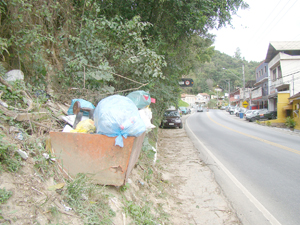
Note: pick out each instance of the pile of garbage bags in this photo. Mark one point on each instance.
(114, 116)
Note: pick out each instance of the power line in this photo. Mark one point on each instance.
(281, 17)
(265, 20)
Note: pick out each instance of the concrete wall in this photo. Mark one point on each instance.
(282, 100)
(296, 114)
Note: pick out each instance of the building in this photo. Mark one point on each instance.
(283, 60)
(202, 99)
(295, 102)
(260, 92)
(190, 99)
(234, 97)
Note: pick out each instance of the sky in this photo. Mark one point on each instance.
(254, 28)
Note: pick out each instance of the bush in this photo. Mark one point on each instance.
(290, 122)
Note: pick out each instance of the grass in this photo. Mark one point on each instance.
(4, 195)
(88, 200)
(268, 123)
(9, 160)
(183, 104)
(141, 214)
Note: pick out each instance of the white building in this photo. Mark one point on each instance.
(190, 99)
(202, 98)
(283, 60)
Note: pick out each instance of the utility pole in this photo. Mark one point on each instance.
(243, 84)
(229, 92)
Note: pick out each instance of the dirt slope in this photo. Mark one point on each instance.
(196, 197)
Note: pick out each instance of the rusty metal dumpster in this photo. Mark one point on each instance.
(96, 155)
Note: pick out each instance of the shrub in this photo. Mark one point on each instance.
(290, 122)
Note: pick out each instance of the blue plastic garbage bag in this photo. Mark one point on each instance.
(83, 104)
(117, 116)
(140, 98)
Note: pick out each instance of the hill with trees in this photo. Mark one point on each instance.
(220, 70)
(108, 47)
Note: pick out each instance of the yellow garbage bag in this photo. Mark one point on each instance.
(85, 126)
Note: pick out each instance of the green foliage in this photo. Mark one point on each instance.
(4, 195)
(107, 46)
(290, 122)
(3, 46)
(183, 104)
(268, 123)
(140, 214)
(212, 103)
(58, 43)
(88, 200)
(125, 187)
(14, 97)
(8, 160)
(222, 70)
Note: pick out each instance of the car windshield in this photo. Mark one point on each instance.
(172, 114)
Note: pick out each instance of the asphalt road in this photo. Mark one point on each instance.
(258, 167)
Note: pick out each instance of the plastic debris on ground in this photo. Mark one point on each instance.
(118, 116)
(71, 119)
(85, 126)
(83, 104)
(67, 128)
(23, 154)
(140, 98)
(146, 116)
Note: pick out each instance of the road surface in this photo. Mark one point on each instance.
(258, 167)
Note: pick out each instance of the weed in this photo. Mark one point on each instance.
(140, 214)
(268, 123)
(88, 200)
(258, 122)
(54, 211)
(15, 97)
(124, 187)
(4, 195)
(8, 159)
(144, 214)
(148, 174)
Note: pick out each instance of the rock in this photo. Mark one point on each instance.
(14, 75)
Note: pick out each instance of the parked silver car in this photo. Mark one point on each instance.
(231, 110)
(254, 113)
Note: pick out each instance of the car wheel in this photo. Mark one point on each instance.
(180, 126)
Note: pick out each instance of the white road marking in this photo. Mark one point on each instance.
(256, 203)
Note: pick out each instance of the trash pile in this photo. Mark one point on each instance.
(114, 116)
(103, 141)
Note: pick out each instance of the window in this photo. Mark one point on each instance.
(279, 72)
(265, 69)
(274, 74)
(262, 72)
(256, 75)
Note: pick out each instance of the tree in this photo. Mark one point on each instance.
(238, 54)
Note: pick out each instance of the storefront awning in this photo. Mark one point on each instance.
(288, 107)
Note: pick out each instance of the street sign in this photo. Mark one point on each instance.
(186, 82)
(245, 104)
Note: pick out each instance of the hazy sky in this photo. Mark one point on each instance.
(254, 28)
